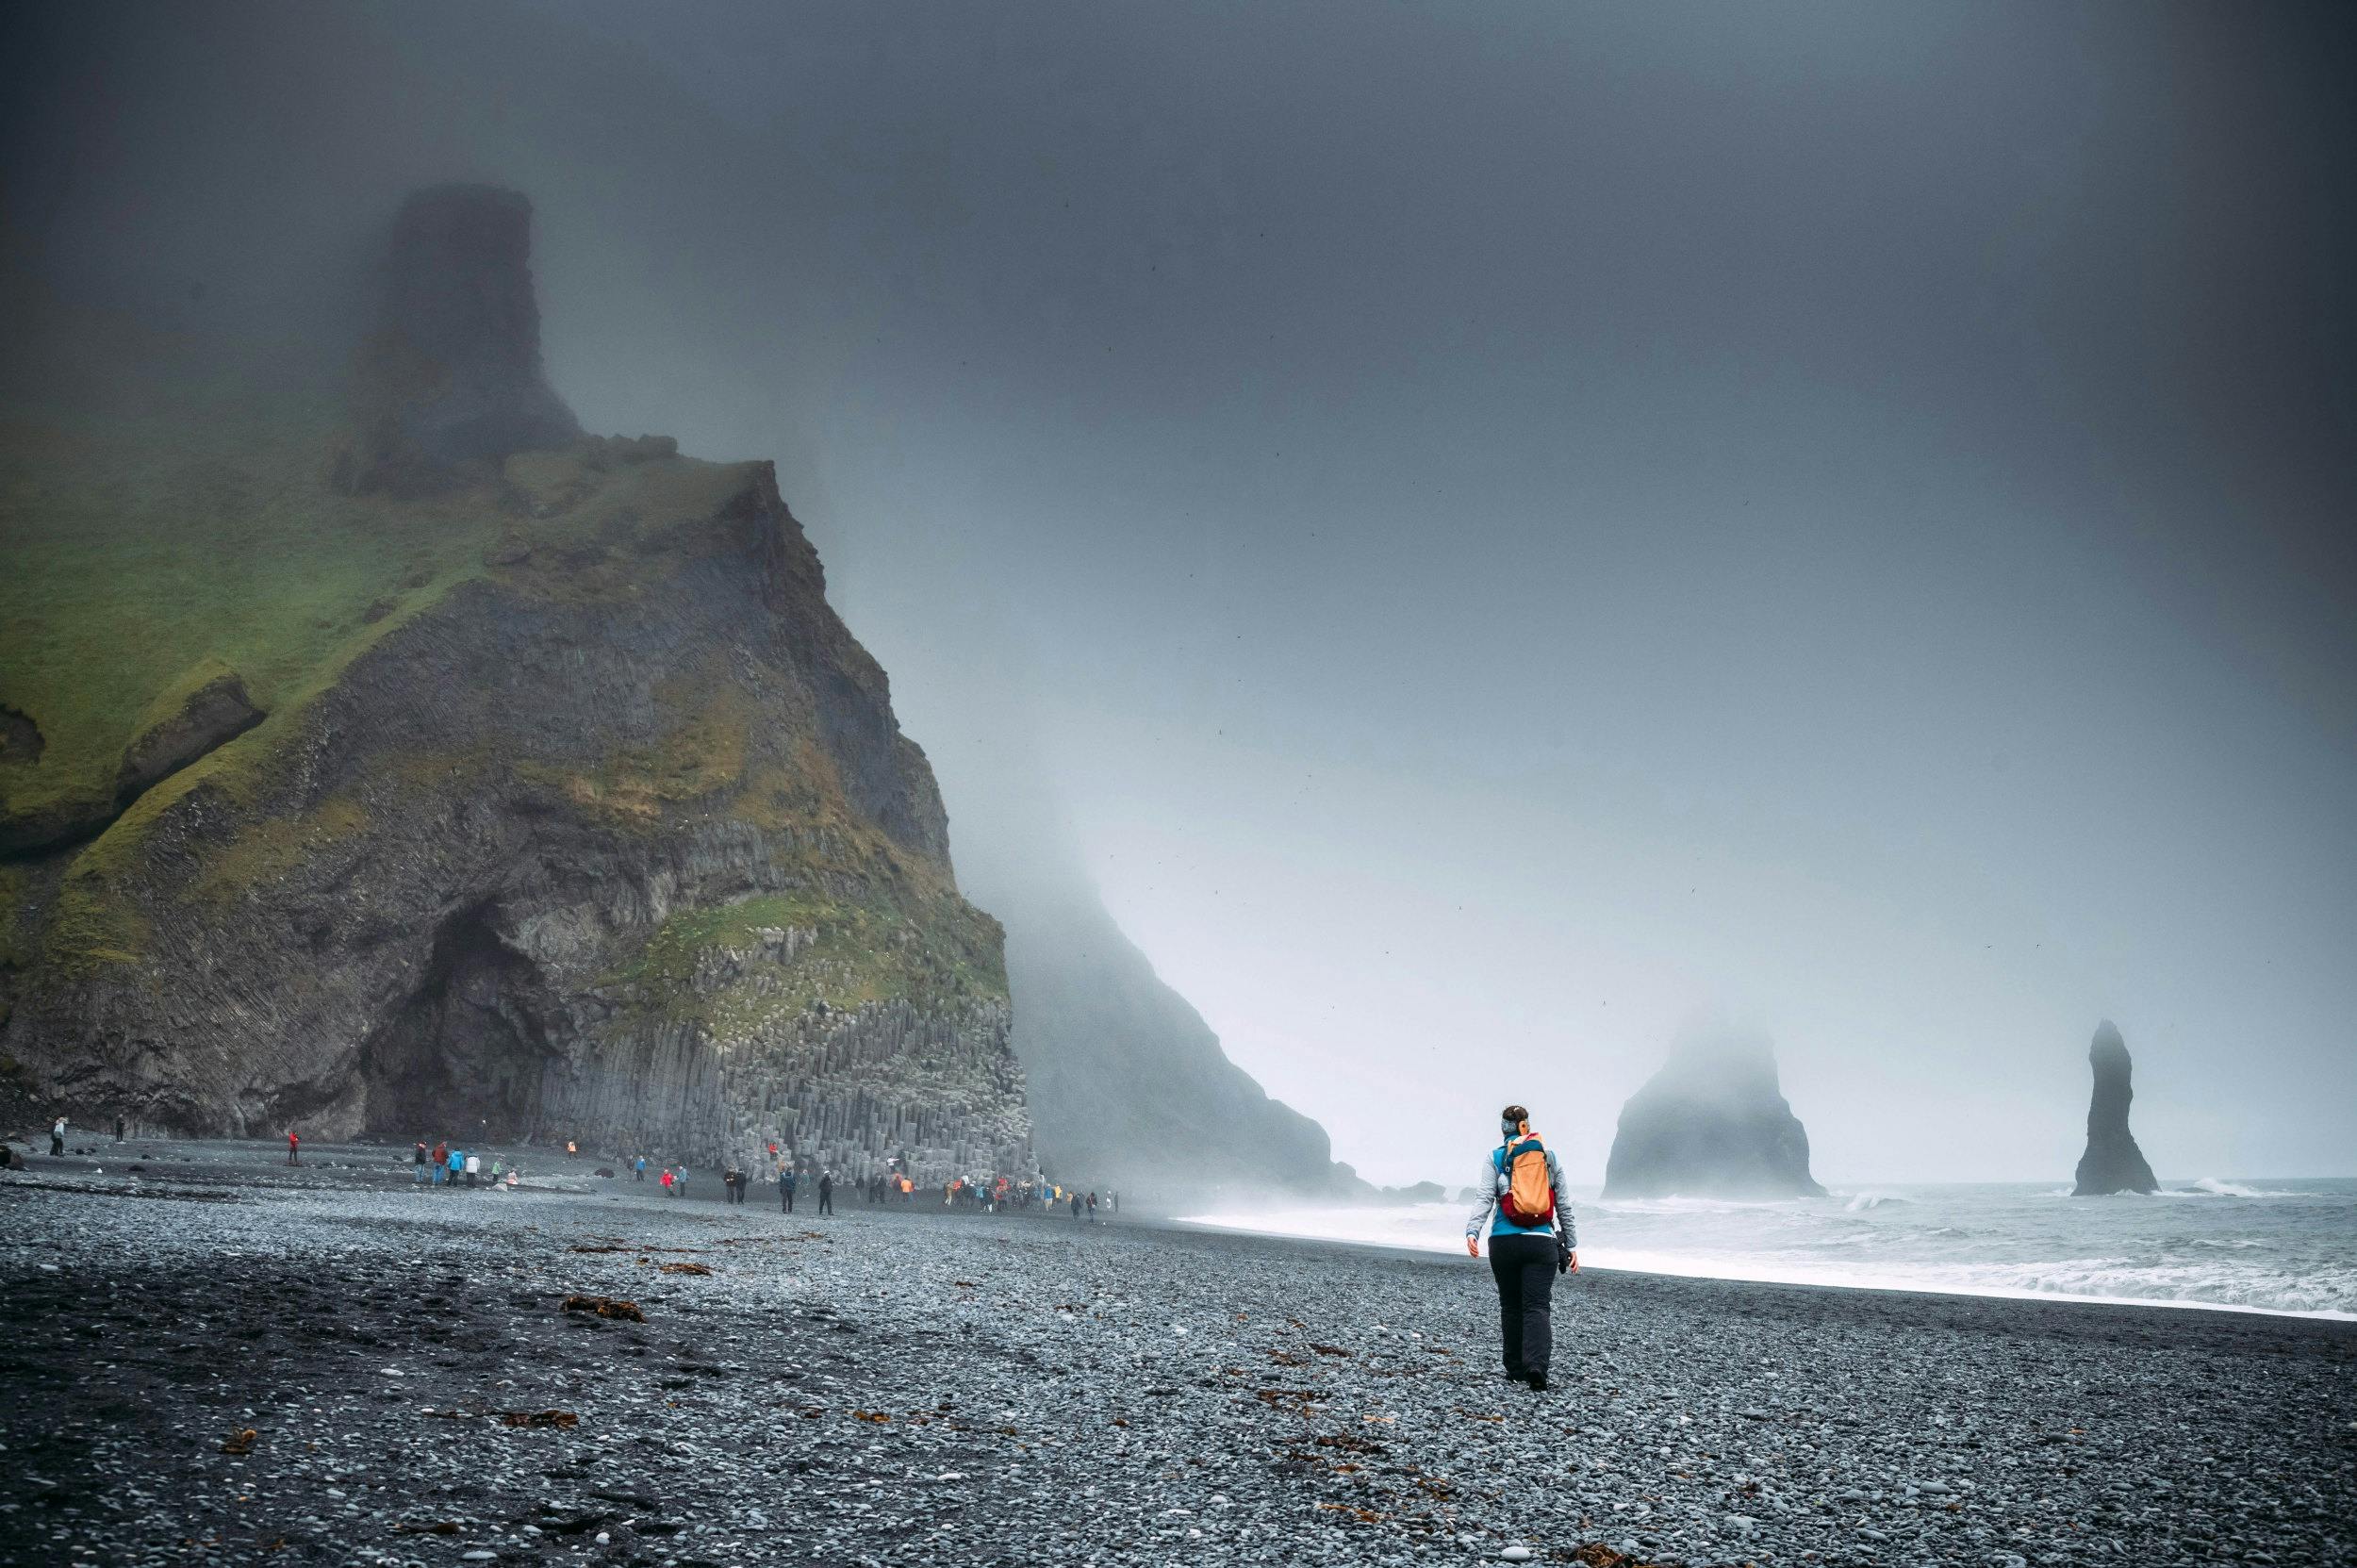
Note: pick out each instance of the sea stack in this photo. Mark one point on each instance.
(451, 374)
(1712, 1123)
(2113, 1163)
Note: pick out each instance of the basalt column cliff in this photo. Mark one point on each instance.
(524, 782)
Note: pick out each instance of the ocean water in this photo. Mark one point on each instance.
(2277, 1246)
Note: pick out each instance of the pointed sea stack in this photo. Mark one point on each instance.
(1712, 1123)
(2113, 1163)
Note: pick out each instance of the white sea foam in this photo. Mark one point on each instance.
(2297, 1255)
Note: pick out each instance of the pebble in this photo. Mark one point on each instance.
(1119, 1442)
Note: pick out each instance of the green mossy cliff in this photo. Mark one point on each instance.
(572, 809)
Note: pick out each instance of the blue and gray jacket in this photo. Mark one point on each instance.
(1494, 1182)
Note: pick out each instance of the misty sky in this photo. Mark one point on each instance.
(1495, 534)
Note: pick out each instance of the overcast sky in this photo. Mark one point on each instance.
(1502, 533)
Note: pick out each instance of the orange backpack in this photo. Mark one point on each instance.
(1529, 1196)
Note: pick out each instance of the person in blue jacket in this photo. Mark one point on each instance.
(1531, 1240)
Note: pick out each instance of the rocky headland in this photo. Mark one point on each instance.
(1128, 1085)
(434, 768)
(2113, 1163)
(1712, 1123)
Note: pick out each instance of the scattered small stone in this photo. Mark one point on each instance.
(604, 1306)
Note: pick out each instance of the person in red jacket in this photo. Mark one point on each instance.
(294, 1147)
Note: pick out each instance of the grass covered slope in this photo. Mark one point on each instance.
(141, 546)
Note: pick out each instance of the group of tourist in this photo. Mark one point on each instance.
(996, 1195)
(444, 1165)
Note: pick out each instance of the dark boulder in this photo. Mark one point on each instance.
(21, 740)
(1712, 1123)
(36, 827)
(205, 708)
(2113, 1163)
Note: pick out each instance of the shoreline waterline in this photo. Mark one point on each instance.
(2285, 1250)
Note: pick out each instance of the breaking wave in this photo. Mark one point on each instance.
(2296, 1253)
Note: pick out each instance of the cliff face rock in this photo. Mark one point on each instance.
(620, 842)
(2113, 1163)
(1712, 1123)
(1129, 1087)
(452, 376)
(580, 813)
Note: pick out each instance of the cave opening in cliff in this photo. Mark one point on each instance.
(463, 1056)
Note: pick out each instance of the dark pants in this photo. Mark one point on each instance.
(785, 1200)
(1524, 1267)
(826, 1200)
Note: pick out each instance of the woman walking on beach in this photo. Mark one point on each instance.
(1531, 1240)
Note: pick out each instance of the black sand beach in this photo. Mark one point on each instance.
(912, 1387)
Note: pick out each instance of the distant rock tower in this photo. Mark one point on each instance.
(2113, 1163)
(1712, 1123)
(450, 377)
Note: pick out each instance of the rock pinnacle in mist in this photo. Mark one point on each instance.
(451, 374)
(1712, 1123)
(2113, 1163)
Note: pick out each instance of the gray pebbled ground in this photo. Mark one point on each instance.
(911, 1387)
